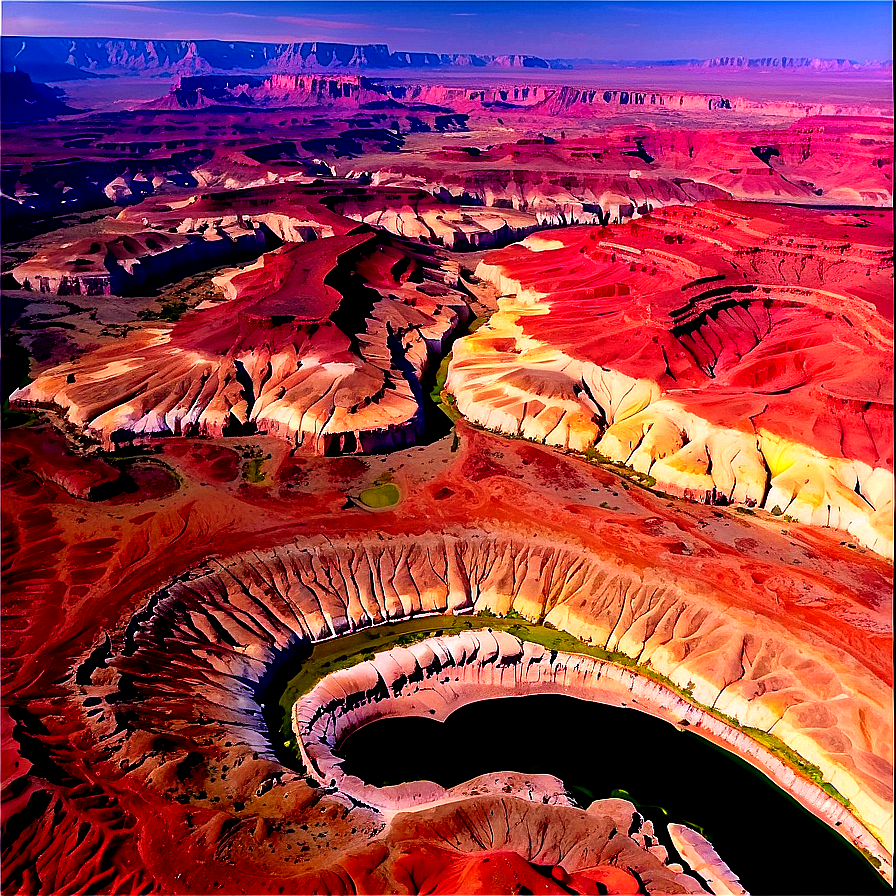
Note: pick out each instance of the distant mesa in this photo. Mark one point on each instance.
(801, 63)
(23, 100)
(355, 91)
(63, 58)
(69, 58)
(776, 63)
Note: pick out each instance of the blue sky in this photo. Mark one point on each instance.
(619, 29)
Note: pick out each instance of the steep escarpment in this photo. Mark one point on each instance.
(570, 100)
(707, 363)
(24, 100)
(627, 171)
(789, 62)
(322, 343)
(61, 58)
(162, 240)
(201, 651)
(437, 676)
(123, 262)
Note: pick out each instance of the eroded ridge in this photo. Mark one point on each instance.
(321, 343)
(623, 172)
(163, 239)
(733, 354)
(437, 676)
(199, 653)
(571, 100)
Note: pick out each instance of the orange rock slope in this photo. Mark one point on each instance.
(734, 353)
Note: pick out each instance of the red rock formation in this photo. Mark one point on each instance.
(117, 264)
(731, 353)
(45, 452)
(75, 571)
(336, 369)
(572, 100)
(136, 646)
(162, 240)
(616, 175)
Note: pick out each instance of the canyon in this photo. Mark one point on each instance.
(287, 353)
(618, 343)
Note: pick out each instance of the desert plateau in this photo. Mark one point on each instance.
(462, 470)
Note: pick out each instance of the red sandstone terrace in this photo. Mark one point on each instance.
(322, 343)
(732, 352)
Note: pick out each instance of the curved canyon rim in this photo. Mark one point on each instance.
(610, 751)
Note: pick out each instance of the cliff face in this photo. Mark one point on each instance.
(789, 62)
(197, 653)
(298, 87)
(731, 392)
(119, 264)
(61, 58)
(439, 675)
(322, 343)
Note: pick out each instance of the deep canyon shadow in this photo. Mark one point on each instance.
(772, 843)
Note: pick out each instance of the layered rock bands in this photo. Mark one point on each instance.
(196, 661)
(437, 676)
(732, 354)
(321, 343)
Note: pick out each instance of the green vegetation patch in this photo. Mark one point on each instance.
(170, 310)
(593, 456)
(443, 399)
(477, 323)
(378, 496)
(10, 419)
(254, 459)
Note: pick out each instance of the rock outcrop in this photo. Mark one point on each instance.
(321, 343)
(132, 258)
(162, 240)
(625, 172)
(570, 100)
(225, 627)
(707, 359)
(697, 851)
(62, 58)
(24, 100)
(51, 459)
(436, 676)
(416, 215)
